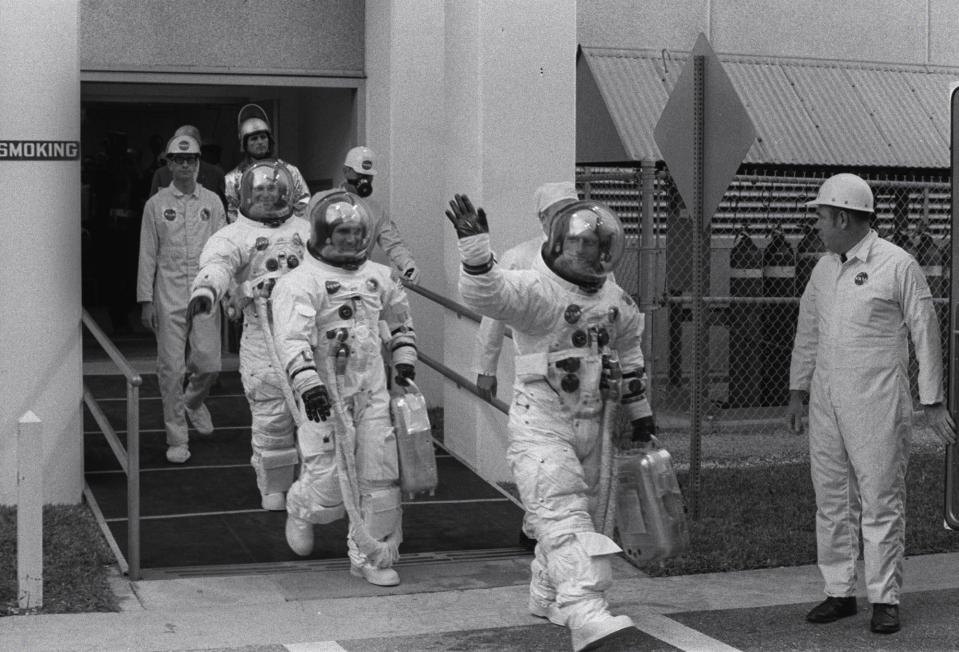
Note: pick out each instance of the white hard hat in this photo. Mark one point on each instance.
(550, 193)
(183, 144)
(844, 190)
(360, 159)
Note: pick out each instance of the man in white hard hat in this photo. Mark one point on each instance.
(177, 222)
(257, 143)
(208, 175)
(358, 173)
(851, 360)
(548, 198)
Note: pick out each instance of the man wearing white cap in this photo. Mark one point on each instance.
(358, 173)
(851, 359)
(548, 198)
(177, 222)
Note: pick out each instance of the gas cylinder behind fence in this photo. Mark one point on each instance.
(650, 510)
(745, 360)
(808, 252)
(779, 319)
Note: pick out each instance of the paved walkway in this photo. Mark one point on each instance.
(479, 605)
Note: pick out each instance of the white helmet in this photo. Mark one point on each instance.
(844, 190)
(182, 144)
(360, 160)
(265, 189)
(585, 242)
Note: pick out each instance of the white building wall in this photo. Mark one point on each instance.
(895, 31)
(40, 366)
(467, 97)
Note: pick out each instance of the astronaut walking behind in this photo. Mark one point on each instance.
(328, 337)
(246, 257)
(562, 311)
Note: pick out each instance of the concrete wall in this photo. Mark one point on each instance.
(896, 31)
(233, 36)
(40, 292)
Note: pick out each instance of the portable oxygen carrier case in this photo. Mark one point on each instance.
(650, 510)
(414, 441)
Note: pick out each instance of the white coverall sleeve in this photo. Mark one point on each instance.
(512, 296)
(803, 361)
(392, 243)
(396, 314)
(149, 246)
(294, 332)
(489, 344)
(920, 315)
(219, 261)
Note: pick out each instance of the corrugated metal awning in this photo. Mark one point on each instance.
(806, 112)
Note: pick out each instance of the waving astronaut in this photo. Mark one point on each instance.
(245, 258)
(563, 311)
(329, 340)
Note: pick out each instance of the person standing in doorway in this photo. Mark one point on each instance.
(851, 360)
(209, 176)
(358, 173)
(177, 222)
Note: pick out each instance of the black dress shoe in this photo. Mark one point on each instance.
(832, 609)
(885, 618)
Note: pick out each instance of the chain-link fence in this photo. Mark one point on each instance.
(760, 251)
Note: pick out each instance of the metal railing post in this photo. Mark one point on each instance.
(29, 511)
(133, 478)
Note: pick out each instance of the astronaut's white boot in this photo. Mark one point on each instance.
(299, 535)
(595, 633)
(374, 575)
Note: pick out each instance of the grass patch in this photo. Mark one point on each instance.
(75, 562)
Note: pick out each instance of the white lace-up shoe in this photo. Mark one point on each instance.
(201, 420)
(177, 454)
(374, 575)
(299, 535)
(548, 611)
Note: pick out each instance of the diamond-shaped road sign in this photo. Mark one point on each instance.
(727, 131)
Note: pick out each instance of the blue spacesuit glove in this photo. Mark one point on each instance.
(316, 403)
(405, 373)
(644, 428)
(465, 219)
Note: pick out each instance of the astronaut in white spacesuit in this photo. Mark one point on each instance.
(571, 327)
(265, 242)
(327, 316)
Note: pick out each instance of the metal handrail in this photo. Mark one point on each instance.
(443, 370)
(129, 457)
(447, 303)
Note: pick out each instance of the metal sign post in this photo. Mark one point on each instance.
(951, 506)
(703, 134)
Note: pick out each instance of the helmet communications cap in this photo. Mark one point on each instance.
(845, 190)
(341, 228)
(585, 242)
(265, 190)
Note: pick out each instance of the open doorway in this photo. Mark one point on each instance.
(124, 130)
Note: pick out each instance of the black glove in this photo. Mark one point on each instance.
(643, 430)
(316, 403)
(486, 386)
(404, 374)
(199, 304)
(465, 219)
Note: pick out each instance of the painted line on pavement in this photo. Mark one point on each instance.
(322, 646)
(679, 635)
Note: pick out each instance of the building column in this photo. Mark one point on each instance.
(40, 336)
(476, 98)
